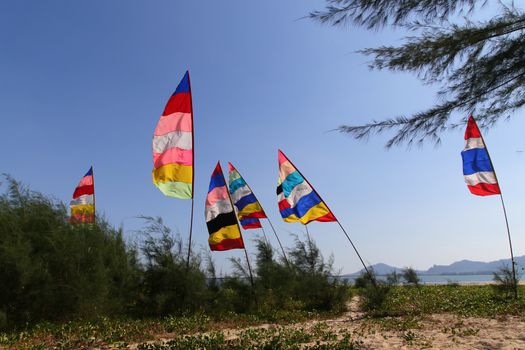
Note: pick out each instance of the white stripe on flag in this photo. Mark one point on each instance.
(82, 200)
(180, 139)
(221, 207)
(487, 177)
(475, 142)
(298, 192)
(240, 192)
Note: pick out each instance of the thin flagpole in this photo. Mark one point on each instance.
(341, 226)
(265, 237)
(191, 229)
(306, 227)
(192, 174)
(279, 241)
(94, 201)
(248, 262)
(515, 280)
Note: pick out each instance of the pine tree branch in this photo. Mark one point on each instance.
(427, 124)
(479, 67)
(375, 14)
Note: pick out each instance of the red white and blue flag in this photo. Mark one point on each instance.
(477, 166)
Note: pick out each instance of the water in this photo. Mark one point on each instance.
(445, 279)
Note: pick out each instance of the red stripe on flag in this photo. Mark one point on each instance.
(256, 215)
(483, 189)
(472, 129)
(180, 102)
(284, 204)
(82, 190)
(327, 218)
(228, 244)
(252, 225)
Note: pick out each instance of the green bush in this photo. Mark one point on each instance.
(302, 283)
(50, 269)
(169, 285)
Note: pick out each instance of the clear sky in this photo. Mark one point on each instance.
(84, 82)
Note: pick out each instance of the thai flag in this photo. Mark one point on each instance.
(477, 166)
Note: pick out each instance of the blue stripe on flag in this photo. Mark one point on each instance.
(184, 85)
(244, 201)
(305, 203)
(236, 184)
(245, 221)
(216, 181)
(290, 182)
(476, 160)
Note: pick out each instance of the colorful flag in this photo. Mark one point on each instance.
(83, 203)
(477, 166)
(222, 223)
(249, 210)
(298, 201)
(173, 144)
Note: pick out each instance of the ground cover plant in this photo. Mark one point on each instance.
(474, 300)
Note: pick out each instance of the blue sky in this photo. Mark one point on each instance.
(84, 83)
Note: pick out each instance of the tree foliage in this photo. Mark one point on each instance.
(479, 66)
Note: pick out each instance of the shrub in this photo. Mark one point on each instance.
(410, 276)
(50, 269)
(506, 285)
(372, 291)
(169, 285)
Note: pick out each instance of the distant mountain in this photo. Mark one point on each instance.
(463, 267)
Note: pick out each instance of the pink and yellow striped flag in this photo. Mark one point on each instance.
(173, 144)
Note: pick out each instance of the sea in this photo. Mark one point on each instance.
(442, 279)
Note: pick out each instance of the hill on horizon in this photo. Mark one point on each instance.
(462, 267)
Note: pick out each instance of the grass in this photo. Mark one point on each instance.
(403, 311)
(121, 332)
(255, 339)
(479, 301)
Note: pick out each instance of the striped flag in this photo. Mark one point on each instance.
(249, 210)
(173, 144)
(83, 203)
(297, 199)
(220, 216)
(477, 166)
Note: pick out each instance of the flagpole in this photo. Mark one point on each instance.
(191, 231)
(336, 219)
(192, 174)
(515, 280)
(510, 244)
(94, 201)
(265, 237)
(278, 241)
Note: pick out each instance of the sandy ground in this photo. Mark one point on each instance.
(439, 331)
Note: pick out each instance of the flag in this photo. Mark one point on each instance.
(297, 200)
(173, 144)
(477, 166)
(222, 223)
(249, 210)
(83, 203)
